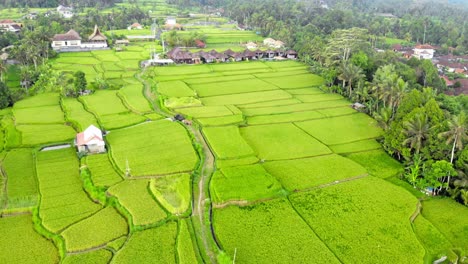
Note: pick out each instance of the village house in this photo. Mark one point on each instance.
(90, 141)
(9, 25)
(424, 52)
(135, 26)
(171, 20)
(64, 11)
(200, 44)
(183, 56)
(71, 41)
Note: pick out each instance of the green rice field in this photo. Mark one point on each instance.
(267, 169)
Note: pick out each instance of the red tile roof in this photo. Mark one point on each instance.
(70, 35)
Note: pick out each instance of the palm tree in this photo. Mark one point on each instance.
(350, 73)
(3, 70)
(417, 131)
(457, 133)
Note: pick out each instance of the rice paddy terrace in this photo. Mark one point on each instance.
(272, 170)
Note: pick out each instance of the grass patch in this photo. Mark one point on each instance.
(269, 232)
(39, 115)
(153, 148)
(21, 186)
(284, 109)
(135, 197)
(98, 256)
(358, 146)
(120, 120)
(378, 163)
(45, 99)
(245, 98)
(363, 220)
(173, 192)
(150, 244)
(206, 111)
(232, 87)
(221, 121)
(283, 118)
(282, 141)
(227, 142)
(297, 81)
(185, 247)
(175, 89)
(345, 129)
(34, 135)
(301, 174)
(133, 95)
(76, 112)
(19, 243)
(63, 200)
(97, 230)
(243, 183)
(102, 172)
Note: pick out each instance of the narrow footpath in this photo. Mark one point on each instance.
(200, 197)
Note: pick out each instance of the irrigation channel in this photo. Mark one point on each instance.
(201, 204)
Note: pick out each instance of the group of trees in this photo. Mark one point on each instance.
(55, 3)
(175, 39)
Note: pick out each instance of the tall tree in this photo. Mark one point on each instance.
(457, 133)
(417, 131)
(350, 73)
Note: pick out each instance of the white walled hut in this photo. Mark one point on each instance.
(90, 141)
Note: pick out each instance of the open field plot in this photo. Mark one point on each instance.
(104, 103)
(301, 174)
(239, 66)
(120, 120)
(283, 118)
(19, 243)
(185, 246)
(300, 107)
(221, 121)
(227, 142)
(102, 171)
(97, 256)
(345, 129)
(280, 102)
(435, 243)
(133, 96)
(318, 98)
(305, 91)
(153, 148)
(206, 111)
(269, 232)
(75, 111)
(96, 230)
(282, 141)
(363, 220)
(444, 210)
(200, 76)
(135, 196)
(245, 98)
(173, 192)
(357, 146)
(243, 183)
(33, 135)
(283, 64)
(150, 244)
(232, 87)
(175, 89)
(218, 79)
(181, 70)
(180, 102)
(296, 81)
(45, 99)
(300, 70)
(39, 115)
(236, 162)
(378, 163)
(63, 200)
(21, 187)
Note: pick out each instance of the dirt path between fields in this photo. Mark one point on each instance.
(201, 196)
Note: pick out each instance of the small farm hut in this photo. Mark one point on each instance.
(90, 141)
